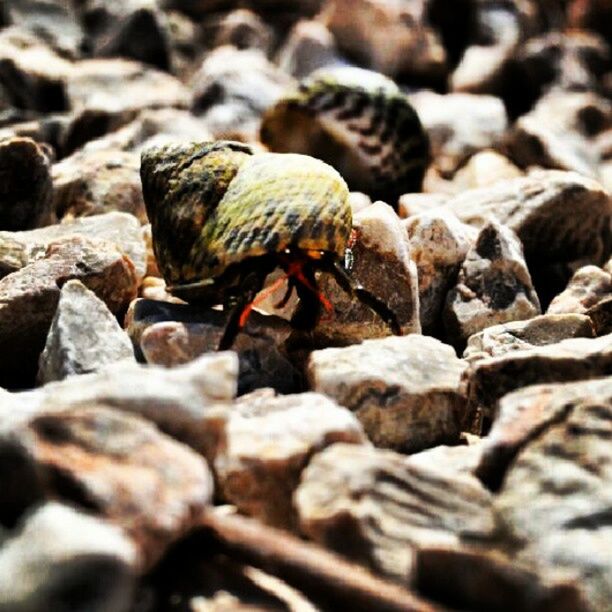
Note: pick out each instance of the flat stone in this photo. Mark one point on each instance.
(494, 286)
(569, 360)
(30, 297)
(381, 264)
(91, 183)
(268, 441)
(378, 507)
(25, 191)
(439, 243)
(116, 465)
(405, 390)
(519, 335)
(60, 556)
(586, 288)
(83, 337)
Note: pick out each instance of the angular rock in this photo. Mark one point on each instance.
(18, 249)
(459, 125)
(381, 263)
(26, 188)
(556, 496)
(30, 297)
(569, 360)
(233, 88)
(559, 216)
(378, 507)
(518, 335)
(494, 286)
(268, 441)
(483, 169)
(587, 287)
(84, 336)
(439, 243)
(601, 316)
(91, 183)
(117, 465)
(394, 38)
(61, 556)
(405, 390)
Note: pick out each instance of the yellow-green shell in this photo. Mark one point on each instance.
(225, 205)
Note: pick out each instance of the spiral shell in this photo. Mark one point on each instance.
(213, 205)
(360, 123)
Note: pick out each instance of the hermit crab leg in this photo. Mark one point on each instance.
(363, 295)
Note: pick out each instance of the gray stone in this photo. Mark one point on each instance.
(405, 390)
(519, 335)
(494, 285)
(61, 556)
(378, 507)
(586, 288)
(268, 441)
(84, 336)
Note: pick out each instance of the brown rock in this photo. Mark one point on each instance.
(591, 14)
(25, 189)
(601, 316)
(268, 441)
(379, 508)
(405, 390)
(30, 296)
(242, 29)
(587, 287)
(494, 286)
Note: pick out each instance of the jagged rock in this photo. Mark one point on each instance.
(25, 189)
(569, 360)
(233, 88)
(381, 263)
(242, 29)
(118, 465)
(484, 169)
(378, 507)
(61, 556)
(309, 46)
(97, 182)
(518, 335)
(268, 441)
(439, 243)
(394, 38)
(559, 216)
(556, 495)
(84, 336)
(587, 287)
(459, 125)
(494, 285)
(18, 249)
(30, 296)
(405, 390)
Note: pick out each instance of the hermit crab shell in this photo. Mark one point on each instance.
(214, 205)
(359, 122)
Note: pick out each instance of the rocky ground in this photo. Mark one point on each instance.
(466, 465)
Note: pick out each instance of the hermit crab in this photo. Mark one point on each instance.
(224, 217)
(359, 122)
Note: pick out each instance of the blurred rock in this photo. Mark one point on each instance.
(232, 89)
(406, 391)
(416, 203)
(84, 336)
(26, 187)
(559, 216)
(394, 38)
(566, 361)
(378, 507)
(586, 288)
(242, 29)
(117, 465)
(91, 183)
(381, 263)
(484, 169)
(61, 557)
(494, 286)
(18, 249)
(591, 14)
(268, 441)
(30, 296)
(519, 335)
(459, 125)
(309, 46)
(439, 243)
(482, 69)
